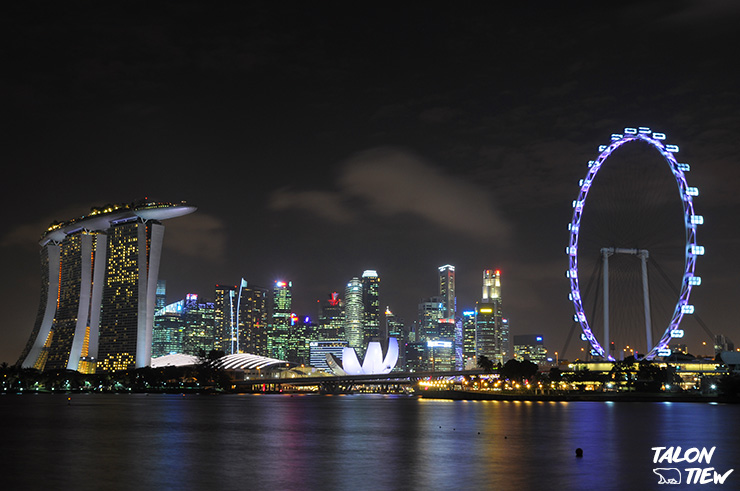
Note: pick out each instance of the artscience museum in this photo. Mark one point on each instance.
(374, 362)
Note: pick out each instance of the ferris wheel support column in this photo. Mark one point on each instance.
(643, 254)
(606, 252)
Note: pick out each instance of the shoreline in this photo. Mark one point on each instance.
(461, 395)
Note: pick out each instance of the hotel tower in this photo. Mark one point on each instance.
(98, 289)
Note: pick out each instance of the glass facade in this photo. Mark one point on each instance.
(331, 318)
(431, 311)
(282, 303)
(395, 328)
(530, 347)
(492, 330)
(447, 290)
(354, 313)
(318, 350)
(371, 306)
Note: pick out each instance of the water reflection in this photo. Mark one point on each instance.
(347, 442)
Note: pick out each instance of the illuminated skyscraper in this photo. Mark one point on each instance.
(241, 319)
(225, 318)
(468, 351)
(491, 286)
(492, 330)
(184, 327)
(282, 303)
(353, 314)
(530, 347)
(198, 326)
(447, 290)
(161, 301)
(252, 318)
(431, 311)
(98, 293)
(168, 330)
(331, 318)
(394, 328)
(371, 306)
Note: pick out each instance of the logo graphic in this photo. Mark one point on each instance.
(668, 475)
(692, 457)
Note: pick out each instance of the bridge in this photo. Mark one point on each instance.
(344, 384)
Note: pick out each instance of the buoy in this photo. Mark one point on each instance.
(579, 452)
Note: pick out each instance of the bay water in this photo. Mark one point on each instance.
(355, 442)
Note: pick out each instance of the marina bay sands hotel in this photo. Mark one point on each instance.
(98, 289)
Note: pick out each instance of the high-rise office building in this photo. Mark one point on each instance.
(331, 318)
(168, 330)
(470, 359)
(530, 347)
(371, 306)
(415, 356)
(225, 318)
(447, 290)
(320, 348)
(395, 328)
(492, 330)
(198, 326)
(252, 320)
(241, 319)
(431, 311)
(98, 294)
(161, 301)
(186, 327)
(301, 332)
(279, 336)
(354, 314)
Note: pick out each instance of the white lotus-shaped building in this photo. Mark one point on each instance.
(374, 362)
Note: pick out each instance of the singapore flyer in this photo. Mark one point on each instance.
(654, 332)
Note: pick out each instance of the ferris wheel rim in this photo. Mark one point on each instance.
(692, 249)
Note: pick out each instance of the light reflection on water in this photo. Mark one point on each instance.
(347, 442)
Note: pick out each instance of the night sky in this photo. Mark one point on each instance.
(320, 139)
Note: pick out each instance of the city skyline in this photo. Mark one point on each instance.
(317, 144)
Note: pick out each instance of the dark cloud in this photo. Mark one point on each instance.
(199, 235)
(28, 235)
(391, 181)
(326, 205)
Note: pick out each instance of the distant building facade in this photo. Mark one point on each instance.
(395, 328)
(331, 318)
(354, 313)
(320, 348)
(469, 353)
(447, 290)
(370, 306)
(282, 303)
(492, 329)
(169, 327)
(530, 347)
